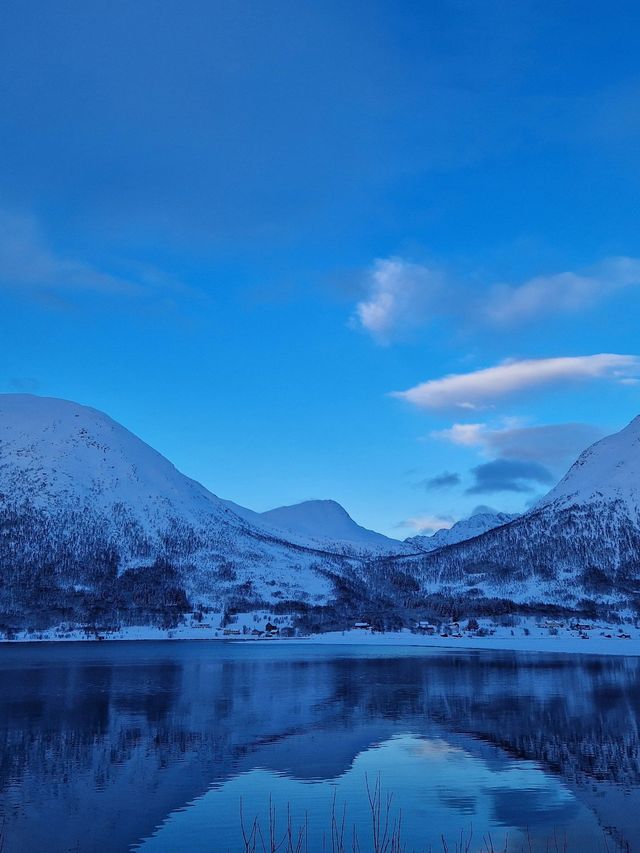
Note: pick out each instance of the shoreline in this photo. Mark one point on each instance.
(501, 640)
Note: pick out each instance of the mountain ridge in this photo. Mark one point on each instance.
(326, 519)
(97, 527)
(466, 528)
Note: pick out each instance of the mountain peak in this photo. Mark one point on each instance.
(53, 450)
(467, 528)
(606, 472)
(324, 519)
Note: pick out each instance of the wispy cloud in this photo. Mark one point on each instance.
(481, 388)
(426, 523)
(27, 262)
(446, 480)
(561, 292)
(31, 266)
(399, 296)
(509, 475)
(551, 444)
(484, 509)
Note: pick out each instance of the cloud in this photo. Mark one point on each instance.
(564, 292)
(467, 435)
(426, 523)
(482, 388)
(399, 295)
(508, 475)
(27, 262)
(402, 296)
(442, 481)
(550, 444)
(484, 509)
(29, 265)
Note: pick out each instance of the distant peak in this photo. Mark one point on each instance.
(323, 518)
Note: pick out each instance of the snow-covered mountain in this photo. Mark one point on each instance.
(94, 521)
(578, 547)
(606, 474)
(322, 524)
(98, 528)
(326, 520)
(462, 530)
(54, 453)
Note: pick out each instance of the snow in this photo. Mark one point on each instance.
(325, 519)
(54, 449)
(462, 530)
(93, 480)
(566, 641)
(86, 474)
(578, 547)
(322, 524)
(607, 472)
(499, 642)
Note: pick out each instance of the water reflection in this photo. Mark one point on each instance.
(116, 746)
(442, 788)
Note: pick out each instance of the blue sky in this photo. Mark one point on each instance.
(264, 236)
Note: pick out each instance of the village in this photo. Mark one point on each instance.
(473, 628)
(506, 631)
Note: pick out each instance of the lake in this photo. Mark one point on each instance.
(161, 746)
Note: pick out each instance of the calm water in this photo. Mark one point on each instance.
(154, 746)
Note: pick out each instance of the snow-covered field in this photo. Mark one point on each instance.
(527, 636)
(569, 643)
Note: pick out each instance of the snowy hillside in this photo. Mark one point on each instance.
(55, 453)
(462, 530)
(93, 520)
(579, 547)
(327, 521)
(97, 528)
(607, 473)
(323, 525)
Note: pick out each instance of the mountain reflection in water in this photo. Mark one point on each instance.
(152, 746)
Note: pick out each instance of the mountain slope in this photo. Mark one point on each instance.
(578, 547)
(607, 473)
(322, 524)
(94, 523)
(462, 530)
(98, 528)
(326, 520)
(54, 451)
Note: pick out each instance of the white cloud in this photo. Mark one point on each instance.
(426, 523)
(467, 435)
(561, 292)
(482, 388)
(399, 297)
(402, 295)
(551, 444)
